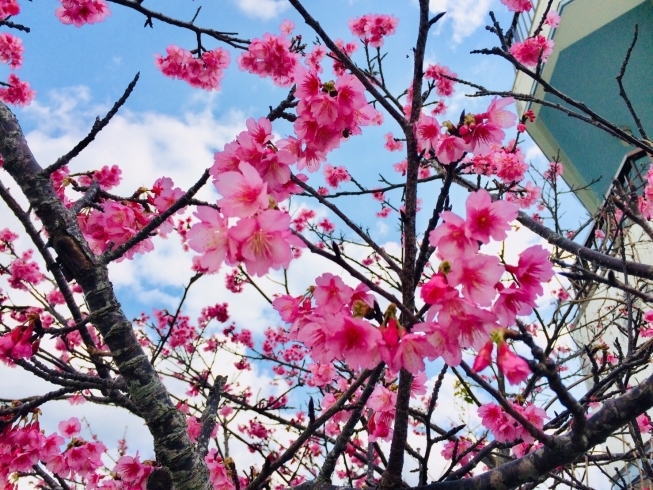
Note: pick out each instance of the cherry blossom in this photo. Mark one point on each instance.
(371, 28)
(11, 50)
(9, 8)
(205, 72)
(511, 365)
(16, 91)
(244, 192)
(80, 12)
(270, 57)
(518, 5)
(487, 219)
(533, 50)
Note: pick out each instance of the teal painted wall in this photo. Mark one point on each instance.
(587, 72)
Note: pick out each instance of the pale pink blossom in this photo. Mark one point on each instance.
(552, 19)
(286, 27)
(391, 144)
(477, 275)
(450, 149)
(210, 238)
(244, 192)
(265, 242)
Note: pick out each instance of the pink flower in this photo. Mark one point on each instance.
(9, 8)
(444, 340)
(644, 423)
(265, 241)
(450, 149)
(427, 131)
(331, 293)
(518, 5)
(437, 290)
(477, 275)
(533, 269)
(165, 195)
(533, 50)
(210, 238)
(371, 28)
(382, 400)
(11, 50)
(514, 367)
(450, 238)
(17, 344)
(287, 27)
(487, 219)
(18, 92)
(132, 471)
(513, 301)
(443, 86)
(391, 144)
(356, 342)
(497, 115)
(270, 57)
(70, 428)
(334, 176)
(552, 19)
(80, 12)
(244, 192)
(205, 72)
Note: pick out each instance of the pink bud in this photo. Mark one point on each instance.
(514, 367)
(483, 358)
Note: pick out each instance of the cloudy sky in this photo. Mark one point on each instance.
(169, 129)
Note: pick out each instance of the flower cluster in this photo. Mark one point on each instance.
(115, 224)
(505, 162)
(382, 403)
(80, 12)
(18, 344)
(371, 28)
(250, 174)
(533, 50)
(505, 428)
(11, 50)
(327, 113)
(9, 8)
(205, 71)
(439, 73)
(17, 91)
(270, 57)
(477, 133)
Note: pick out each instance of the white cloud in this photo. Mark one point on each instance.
(465, 15)
(262, 9)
